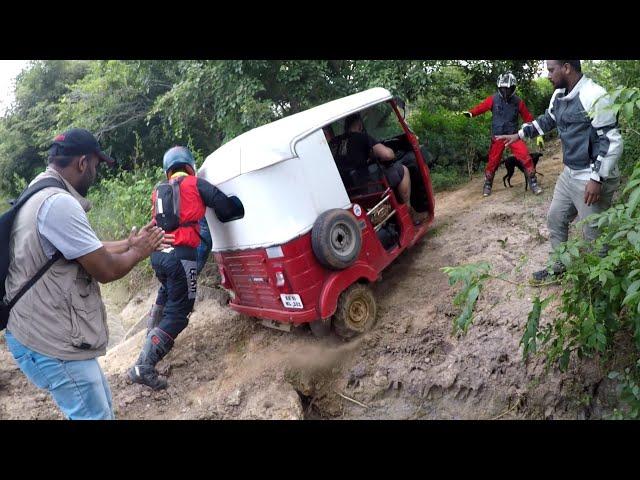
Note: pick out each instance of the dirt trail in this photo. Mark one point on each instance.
(227, 366)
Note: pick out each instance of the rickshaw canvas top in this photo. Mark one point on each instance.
(276, 142)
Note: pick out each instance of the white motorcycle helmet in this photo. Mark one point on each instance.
(506, 85)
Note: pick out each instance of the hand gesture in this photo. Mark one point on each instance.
(148, 239)
(508, 139)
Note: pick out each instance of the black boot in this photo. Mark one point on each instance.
(156, 346)
(488, 185)
(541, 276)
(154, 317)
(533, 183)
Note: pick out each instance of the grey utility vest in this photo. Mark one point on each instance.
(62, 315)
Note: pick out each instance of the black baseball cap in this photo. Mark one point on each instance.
(78, 141)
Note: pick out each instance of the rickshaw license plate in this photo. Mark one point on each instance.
(291, 300)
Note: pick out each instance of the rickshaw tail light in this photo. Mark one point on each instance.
(279, 279)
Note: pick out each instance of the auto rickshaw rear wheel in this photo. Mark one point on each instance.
(321, 327)
(336, 239)
(356, 312)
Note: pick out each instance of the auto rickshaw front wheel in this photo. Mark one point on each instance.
(336, 239)
(356, 312)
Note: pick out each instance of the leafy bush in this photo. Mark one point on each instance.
(538, 96)
(601, 293)
(443, 179)
(122, 202)
(472, 277)
(629, 392)
(458, 144)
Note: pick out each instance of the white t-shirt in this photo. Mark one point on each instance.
(63, 225)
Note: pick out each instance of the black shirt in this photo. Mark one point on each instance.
(352, 149)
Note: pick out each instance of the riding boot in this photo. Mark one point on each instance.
(488, 185)
(154, 317)
(157, 345)
(533, 183)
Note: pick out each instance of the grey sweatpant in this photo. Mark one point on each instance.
(568, 202)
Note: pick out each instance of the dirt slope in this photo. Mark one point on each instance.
(410, 366)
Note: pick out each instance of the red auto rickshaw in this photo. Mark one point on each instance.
(311, 240)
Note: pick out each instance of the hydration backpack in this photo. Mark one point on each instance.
(167, 204)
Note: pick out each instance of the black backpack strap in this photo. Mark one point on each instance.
(34, 279)
(22, 199)
(36, 187)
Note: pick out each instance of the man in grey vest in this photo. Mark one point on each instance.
(59, 326)
(591, 147)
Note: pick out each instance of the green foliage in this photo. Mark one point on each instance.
(531, 335)
(27, 129)
(538, 96)
(485, 72)
(138, 108)
(628, 392)
(114, 100)
(626, 103)
(122, 202)
(601, 288)
(444, 179)
(457, 143)
(118, 204)
(472, 277)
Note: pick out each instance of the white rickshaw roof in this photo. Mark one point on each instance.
(275, 142)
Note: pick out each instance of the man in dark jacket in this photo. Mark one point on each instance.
(176, 266)
(505, 107)
(355, 149)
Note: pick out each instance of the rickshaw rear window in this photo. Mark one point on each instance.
(380, 121)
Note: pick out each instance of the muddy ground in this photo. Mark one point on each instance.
(410, 366)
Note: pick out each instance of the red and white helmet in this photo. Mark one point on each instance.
(507, 80)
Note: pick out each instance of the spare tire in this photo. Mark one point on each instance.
(336, 239)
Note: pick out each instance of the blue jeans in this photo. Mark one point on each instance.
(78, 387)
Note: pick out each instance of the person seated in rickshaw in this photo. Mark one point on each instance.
(355, 148)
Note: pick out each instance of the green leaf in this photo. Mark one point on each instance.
(602, 277)
(631, 185)
(634, 198)
(619, 234)
(564, 360)
(628, 110)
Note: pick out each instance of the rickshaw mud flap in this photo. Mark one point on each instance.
(285, 327)
(339, 282)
